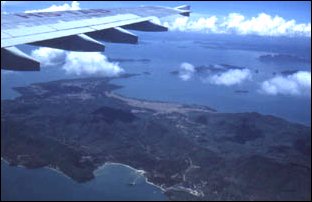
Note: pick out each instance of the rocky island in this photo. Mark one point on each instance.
(282, 58)
(191, 152)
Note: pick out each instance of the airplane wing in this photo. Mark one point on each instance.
(76, 30)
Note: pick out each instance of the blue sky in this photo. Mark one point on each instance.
(297, 10)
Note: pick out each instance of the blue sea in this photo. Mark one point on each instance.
(112, 182)
(166, 52)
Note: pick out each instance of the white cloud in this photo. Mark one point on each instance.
(208, 23)
(179, 23)
(186, 71)
(226, 77)
(48, 56)
(73, 6)
(77, 62)
(90, 63)
(298, 83)
(262, 24)
(230, 77)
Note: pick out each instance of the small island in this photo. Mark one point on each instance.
(192, 152)
(241, 91)
(282, 58)
(211, 68)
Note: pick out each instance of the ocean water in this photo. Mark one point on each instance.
(111, 183)
(165, 52)
(167, 55)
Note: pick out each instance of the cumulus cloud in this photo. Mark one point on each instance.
(298, 83)
(77, 63)
(186, 71)
(48, 56)
(230, 77)
(227, 77)
(235, 23)
(73, 6)
(90, 63)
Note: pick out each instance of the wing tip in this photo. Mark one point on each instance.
(184, 10)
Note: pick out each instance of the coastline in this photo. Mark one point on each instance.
(85, 187)
(95, 172)
(59, 172)
(45, 167)
(142, 172)
(137, 171)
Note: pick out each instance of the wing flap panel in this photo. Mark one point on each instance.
(14, 59)
(115, 35)
(80, 42)
(147, 26)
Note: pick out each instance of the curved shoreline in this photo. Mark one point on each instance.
(142, 172)
(45, 167)
(137, 171)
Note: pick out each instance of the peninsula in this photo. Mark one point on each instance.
(191, 152)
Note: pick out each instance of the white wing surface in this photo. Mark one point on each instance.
(75, 30)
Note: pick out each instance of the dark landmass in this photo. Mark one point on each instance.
(216, 68)
(146, 73)
(175, 72)
(282, 58)
(241, 91)
(227, 66)
(128, 60)
(202, 69)
(285, 72)
(208, 69)
(258, 43)
(192, 152)
(128, 75)
(289, 72)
